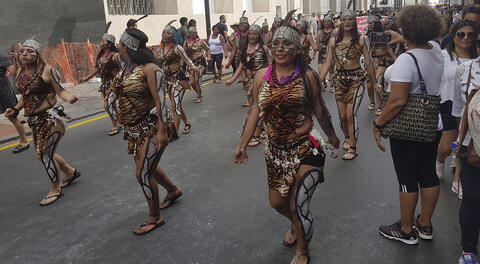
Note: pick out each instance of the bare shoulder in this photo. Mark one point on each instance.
(259, 74)
(331, 42)
(150, 67)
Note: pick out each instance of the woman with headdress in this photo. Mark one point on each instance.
(306, 40)
(286, 96)
(107, 66)
(39, 84)
(239, 43)
(264, 30)
(277, 22)
(141, 91)
(196, 49)
(172, 57)
(382, 55)
(253, 57)
(323, 37)
(349, 78)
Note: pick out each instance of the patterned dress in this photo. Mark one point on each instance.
(284, 108)
(195, 51)
(305, 49)
(107, 69)
(255, 61)
(324, 39)
(347, 82)
(34, 93)
(7, 96)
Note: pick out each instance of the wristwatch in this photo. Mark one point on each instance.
(374, 121)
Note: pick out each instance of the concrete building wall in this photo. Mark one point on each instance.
(50, 20)
(153, 25)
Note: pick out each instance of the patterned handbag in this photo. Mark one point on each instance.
(418, 120)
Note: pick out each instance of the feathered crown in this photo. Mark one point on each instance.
(106, 36)
(287, 31)
(243, 19)
(169, 27)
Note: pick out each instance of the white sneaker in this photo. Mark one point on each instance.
(440, 168)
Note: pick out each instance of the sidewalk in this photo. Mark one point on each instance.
(90, 103)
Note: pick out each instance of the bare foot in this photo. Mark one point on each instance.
(290, 239)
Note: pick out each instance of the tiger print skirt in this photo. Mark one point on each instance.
(383, 60)
(346, 83)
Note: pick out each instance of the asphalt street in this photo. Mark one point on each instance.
(224, 215)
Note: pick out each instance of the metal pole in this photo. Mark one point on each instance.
(207, 17)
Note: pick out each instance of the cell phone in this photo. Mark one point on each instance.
(380, 37)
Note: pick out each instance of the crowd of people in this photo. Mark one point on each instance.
(420, 68)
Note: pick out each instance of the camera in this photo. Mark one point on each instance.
(380, 37)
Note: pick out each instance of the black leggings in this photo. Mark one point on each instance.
(216, 60)
(470, 209)
(414, 164)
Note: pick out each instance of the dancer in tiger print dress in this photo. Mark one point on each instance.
(141, 91)
(107, 66)
(39, 85)
(286, 96)
(171, 57)
(348, 78)
(306, 41)
(253, 57)
(196, 49)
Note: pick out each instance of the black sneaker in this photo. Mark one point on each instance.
(425, 232)
(394, 231)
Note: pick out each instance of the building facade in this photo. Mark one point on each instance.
(162, 11)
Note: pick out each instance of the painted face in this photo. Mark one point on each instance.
(253, 36)
(348, 22)
(244, 26)
(167, 36)
(464, 37)
(104, 44)
(122, 50)
(284, 51)
(27, 55)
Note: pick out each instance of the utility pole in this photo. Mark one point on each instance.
(207, 17)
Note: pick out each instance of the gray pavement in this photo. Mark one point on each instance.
(224, 215)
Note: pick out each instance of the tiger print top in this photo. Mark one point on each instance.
(169, 58)
(283, 109)
(34, 90)
(257, 60)
(134, 97)
(305, 49)
(107, 68)
(195, 50)
(345, 51)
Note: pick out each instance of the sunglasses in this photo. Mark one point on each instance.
(469, 35)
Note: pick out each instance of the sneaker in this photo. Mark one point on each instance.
(440, 167)
(425, 232)
(468, 258)
(394, 231)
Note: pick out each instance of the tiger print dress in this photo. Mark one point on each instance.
(284, 108)
(135, 102)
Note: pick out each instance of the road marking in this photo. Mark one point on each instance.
(95, 118)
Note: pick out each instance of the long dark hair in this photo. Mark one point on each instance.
(142, 55)
(243, 52)
(111, 48)
(355, 34)
(472, 51)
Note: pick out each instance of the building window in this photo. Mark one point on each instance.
(166, 7)
(131, 7)
(261, 6)
(198, 7)
(222, 6)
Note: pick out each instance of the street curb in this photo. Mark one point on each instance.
(7, 140)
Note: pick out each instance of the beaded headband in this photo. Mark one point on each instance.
(347, 12)
(287, 33)
(192, 29)
(256, 28)
(33, 44)
(130, 41)
(109, 37)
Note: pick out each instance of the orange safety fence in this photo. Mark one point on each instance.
(73, 60)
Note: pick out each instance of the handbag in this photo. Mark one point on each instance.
(418, 120)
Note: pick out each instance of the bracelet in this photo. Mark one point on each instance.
(16, 112)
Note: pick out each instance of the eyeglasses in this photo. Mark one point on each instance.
(469, 35)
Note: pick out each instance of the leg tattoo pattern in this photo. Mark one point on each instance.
(305, 190)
